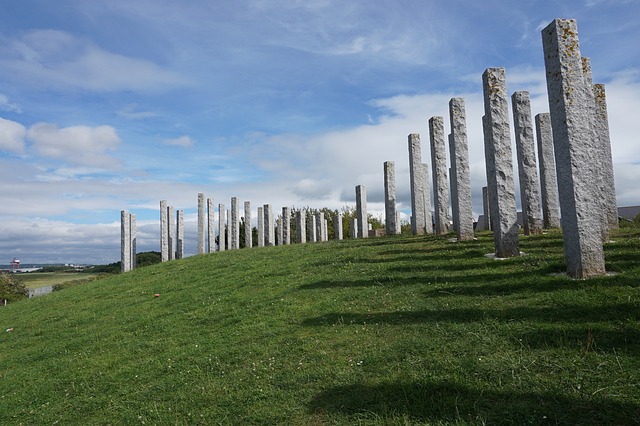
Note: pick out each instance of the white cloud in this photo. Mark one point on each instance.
(11, 136)
(7, 105)
(183, 141)
(80, 145)
(131, 112)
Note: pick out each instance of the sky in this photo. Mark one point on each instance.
(110, 106)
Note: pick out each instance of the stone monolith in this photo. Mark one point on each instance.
(439, 172)
(460, 160)
(200, 223)
(260, 227)
(235, 224)
(269, 226)
(301, 227)
(248, 234)
(164, 232)
(180, 234)
(361, 211)
(222, 227)
(417, 181)
(389, 198)
(547, 165)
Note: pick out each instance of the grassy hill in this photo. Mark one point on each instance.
(399, 330)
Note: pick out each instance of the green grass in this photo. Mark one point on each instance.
(43, 279)
(401, 330)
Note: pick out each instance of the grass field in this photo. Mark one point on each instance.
(42, 279)
(398, 330)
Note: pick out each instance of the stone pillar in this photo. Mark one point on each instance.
(269, 231)
(279, 231)
(164, 232)
(485, 208)
(337, 226)
(527, 167)
(354, 227)
(200, 223)
(460, 159)
(211, 229)
(261, 227)
(440, 179)
(547, 164)
(417, 178)
(605, 159)
(301, 227)
(311, 225)
(454, 195)
(170, 228)
(180, 234)
(319, 221)
(390, 198)
(222, 227)
(502, 197)
(125, 241)
(325, 230)
(286, 226)
(134, 239)
(248, 234)
(426, 195)
(361, 211)
(235, 224)
(572, 140)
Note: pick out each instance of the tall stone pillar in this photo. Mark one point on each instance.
(222, 227)
(134, 239)
(573, 146)
(361, 211)
(164, 232)
(325, 230)
(279, 231)
(261, 227)
(235, 224)
(390, 198)
(605, 159)
(248, 234)
(125, 241)
(527, 167)
(211, 229)
(547, 164)
(417, 178)
(426, 195)
(286, 226)
(180, 234)
(455, 217)
(440, 178)
(485, 208)
(354, 228)
(301, 227)
(269, 231)
(311, 227)
(337, 226)
(319, 226)
(170, 228)
(502, 197)
(460, 158)
(200, 223)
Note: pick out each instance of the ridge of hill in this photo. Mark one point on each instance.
(394, 330)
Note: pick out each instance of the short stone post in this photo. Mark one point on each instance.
(572, 140)
(125, 241)
(286, 226)
(361, 211)
(180, 234)
(460, 158)
(417, 178)
(222, 227)
(269, 231)
(337, 226)
(547, 164)
(248, 235)
(261, 230)
(440, 178)
(301, 227)
(502, 196)
(164, 232)
(235, 224)
(354, 228)
(211, 228)
(527, 167)
(390, 221)
(170, 228)
(200, 223)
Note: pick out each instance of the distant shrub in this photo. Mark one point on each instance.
(73, 283)
(12, 289)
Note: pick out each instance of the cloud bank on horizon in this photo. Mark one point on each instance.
(106, 106)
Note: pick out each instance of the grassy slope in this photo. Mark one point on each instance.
(399, 330)
(42, 279)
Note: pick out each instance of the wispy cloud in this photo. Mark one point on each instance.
(183, 141)
(131, 112)
(7, 105)
(12, 136)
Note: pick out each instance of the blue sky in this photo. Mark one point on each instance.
(106, 106)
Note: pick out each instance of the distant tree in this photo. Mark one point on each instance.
(11, 289)
(148, 258)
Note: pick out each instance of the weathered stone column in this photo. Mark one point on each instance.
(222, 227)
(170, 228)
(164, 232)
(248, 235)
(337, 226)
(211, 228)
(235, 224)
(354, 228)
(440, 178)
(279, 231)
(460, 159)
(548, 181)
(319, 226)
(417, 177)
(502, 197)
(311, 225)
(301, 227)
(361, 211)
(454, 195)
(485, 208)
(426, 195)
(390, 198)
(261, 230)
(180, 234)
(134, 239)
(269, 231)
(527, 167)
(286, 225)
(572, 140)
(125, 241)
(200, 223)
(605, 159)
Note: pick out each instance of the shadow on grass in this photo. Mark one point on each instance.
(606, 339)
(449, 402)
